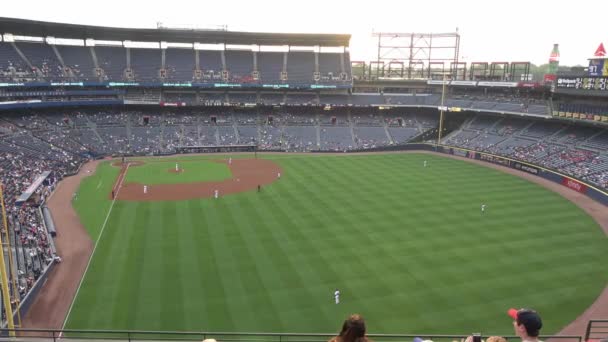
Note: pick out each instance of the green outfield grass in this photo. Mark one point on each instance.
(157, 172)
(406, 245)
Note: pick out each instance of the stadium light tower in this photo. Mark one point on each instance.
(417, 55)
(442, 108)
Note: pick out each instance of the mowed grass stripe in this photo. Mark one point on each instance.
(304, 250)
(148, 311)
(212, 295)
(313, 277)
(171, 256)
(129, 244)
(229, 277)
(101, 272)
(407, 246)
(265, 272)
(250, 267)
(190, 269)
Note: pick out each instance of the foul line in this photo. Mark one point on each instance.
(103, 226)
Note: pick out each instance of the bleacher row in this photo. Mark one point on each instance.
(578, 151)
(221, 98)
(478, 103)
(35, 61)
(102, 133)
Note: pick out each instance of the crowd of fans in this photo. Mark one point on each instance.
(561, 148)
(29, 146)
(32, 248)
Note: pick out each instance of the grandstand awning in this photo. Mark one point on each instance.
(37, 28)
(32, 188)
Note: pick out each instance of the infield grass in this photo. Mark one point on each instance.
(407, 246)
(162, 172)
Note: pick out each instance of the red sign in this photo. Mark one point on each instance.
(574, 184)
(600, 52)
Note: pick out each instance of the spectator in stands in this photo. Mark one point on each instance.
(527, 324)
(353, 330)
(489, 339)
(496, 339)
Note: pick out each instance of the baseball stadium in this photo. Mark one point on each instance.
(168, 184)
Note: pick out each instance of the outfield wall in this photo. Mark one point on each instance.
(572, 183)
(577, 185)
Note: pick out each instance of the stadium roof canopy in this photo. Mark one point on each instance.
(36, 28)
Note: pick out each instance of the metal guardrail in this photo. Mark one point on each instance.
(40, 335)
(597, 329)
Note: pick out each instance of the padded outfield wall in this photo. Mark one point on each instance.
(555, 176)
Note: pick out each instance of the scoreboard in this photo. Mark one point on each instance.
(598, 67)
(583, 83)
(596, 79)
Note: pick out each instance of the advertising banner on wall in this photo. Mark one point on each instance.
(527, 168)
(574, 184)
(495, 159)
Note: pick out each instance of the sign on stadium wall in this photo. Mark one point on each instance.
(574, 184)
(464, 83)
(523, 167)
(495, 159)
(497, 84)
(172, 104)
(461, 153)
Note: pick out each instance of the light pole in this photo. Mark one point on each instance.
(441, 110)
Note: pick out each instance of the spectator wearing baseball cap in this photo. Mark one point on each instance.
(527, 324)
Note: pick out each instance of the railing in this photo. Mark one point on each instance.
(597, 329)
(135, 335)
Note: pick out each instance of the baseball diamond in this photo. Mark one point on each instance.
(226, 186)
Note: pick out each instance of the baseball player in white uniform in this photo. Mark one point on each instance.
(216, 193)
(483, 208)
(337, 296)
(279, 175)
(425, 163)
(145, 189)
(176, 167)
(229, 161)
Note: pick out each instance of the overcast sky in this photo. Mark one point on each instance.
(514, 30)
